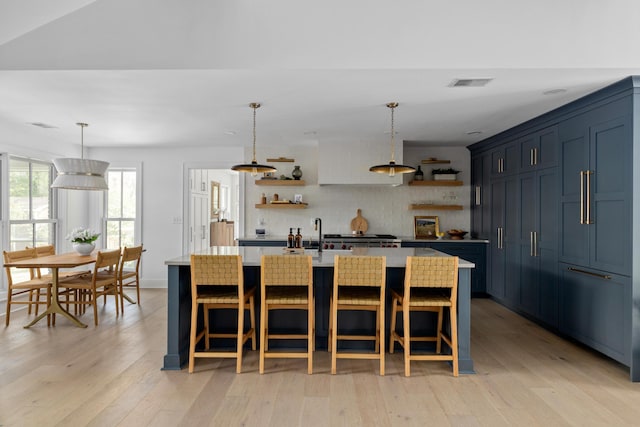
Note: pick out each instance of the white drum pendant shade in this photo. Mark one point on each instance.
(80, 174)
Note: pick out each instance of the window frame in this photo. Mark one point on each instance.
(6, 195)
(137, 221)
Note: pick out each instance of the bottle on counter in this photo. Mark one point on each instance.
(290, 239)
(298, 239)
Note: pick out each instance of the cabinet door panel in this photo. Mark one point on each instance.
(511, 241)
(595, 311)
(547, 150)
(495, 287)
(610, 246)
(574, 240)
(529, 292)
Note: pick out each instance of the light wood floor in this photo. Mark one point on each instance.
(110, 376)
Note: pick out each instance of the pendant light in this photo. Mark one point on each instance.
(80, 174)
(392, 168)
(253, 168)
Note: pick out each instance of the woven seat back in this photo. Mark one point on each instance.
(360, 270)
(286, 270)
(433, 272)
(216, 270)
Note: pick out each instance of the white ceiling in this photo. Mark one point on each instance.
(175, 73)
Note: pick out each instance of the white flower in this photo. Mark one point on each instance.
(82, 235)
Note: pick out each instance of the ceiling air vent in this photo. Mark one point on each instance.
(469, 82)
(43, 125)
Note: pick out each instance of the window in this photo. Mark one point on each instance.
(31, 204)
(121, 206)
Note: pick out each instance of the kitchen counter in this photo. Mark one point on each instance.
(283, 239)
(179, 294)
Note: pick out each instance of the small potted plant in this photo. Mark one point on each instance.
(448, 174)
(83, 240)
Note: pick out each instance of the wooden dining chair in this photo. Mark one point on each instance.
(102, 282)
(31, 287)
(430, 284)
(286, 283)
(217, 282)
(129, 278)
(358, 285)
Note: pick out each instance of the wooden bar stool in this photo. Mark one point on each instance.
(430, 284)
(286, 284)
(358, 284)
(217, 282)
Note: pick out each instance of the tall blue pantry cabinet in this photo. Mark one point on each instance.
(563, 223)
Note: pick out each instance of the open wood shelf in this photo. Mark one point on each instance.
(435, 162)
(415, 207)
(281, 182)
(281, 206)
(442, 183)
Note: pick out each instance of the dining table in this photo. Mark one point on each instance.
(54, 263)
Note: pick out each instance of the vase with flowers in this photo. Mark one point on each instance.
(83, 240)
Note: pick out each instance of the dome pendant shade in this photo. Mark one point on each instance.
(80, 174)
(392, 168)
(253, 168)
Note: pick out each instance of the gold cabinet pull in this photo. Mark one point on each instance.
(581, 197)
(589, 273)
(478, 201)
(588, 173)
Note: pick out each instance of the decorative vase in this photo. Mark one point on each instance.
(297, 173)
(84, 248)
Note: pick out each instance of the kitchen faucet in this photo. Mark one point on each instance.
(317, 225)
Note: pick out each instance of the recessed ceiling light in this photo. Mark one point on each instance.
(474, 132)
(554, 91)
(229, 132)
(42, 125)
(469, 82)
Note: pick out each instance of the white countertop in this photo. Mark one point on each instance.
(396, 257)
(283, 238)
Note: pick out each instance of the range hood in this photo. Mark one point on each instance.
(348, 162)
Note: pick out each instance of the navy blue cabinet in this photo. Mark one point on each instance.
(595, 310)
(576, 251)
(596, 189)
(481, 196)
(538, 245)
(505, 159)
(504, 248)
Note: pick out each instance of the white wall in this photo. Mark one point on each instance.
(162, 197)
(384, 207)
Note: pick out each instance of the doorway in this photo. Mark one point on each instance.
(212, 206)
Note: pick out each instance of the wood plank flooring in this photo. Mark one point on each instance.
(110, 376)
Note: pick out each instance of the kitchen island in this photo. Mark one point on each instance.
(179, 293)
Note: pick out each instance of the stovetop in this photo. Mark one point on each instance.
(359, 236)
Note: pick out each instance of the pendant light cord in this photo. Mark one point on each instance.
(255, 106)
(82, 126)
(393, 139)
